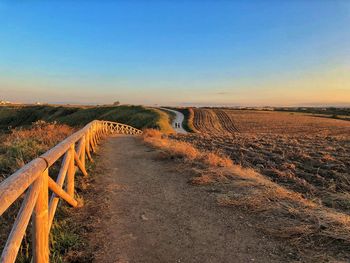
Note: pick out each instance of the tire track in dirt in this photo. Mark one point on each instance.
(198, 120)
(206, 121)
(213, 121)
(226, 121)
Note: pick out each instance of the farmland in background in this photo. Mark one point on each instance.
(304, 153)
(217, 121)
(328, 112)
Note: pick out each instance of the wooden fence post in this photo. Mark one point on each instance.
(87, 142)
(92, 140)
(83, 150)
(71, 172)
(40, 222)
(87, 145)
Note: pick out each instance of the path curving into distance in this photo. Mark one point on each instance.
(179, 118)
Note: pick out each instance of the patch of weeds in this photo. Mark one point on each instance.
(62, 240)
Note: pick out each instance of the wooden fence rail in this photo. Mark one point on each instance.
(34, 180)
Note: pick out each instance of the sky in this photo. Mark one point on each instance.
(232, 53)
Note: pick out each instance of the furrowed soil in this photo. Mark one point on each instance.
(223, 121)
(141, 208)
(309, 155)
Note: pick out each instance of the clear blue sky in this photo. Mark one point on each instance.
(176, 52)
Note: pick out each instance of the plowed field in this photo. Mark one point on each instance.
(310, 155)
(223, 121)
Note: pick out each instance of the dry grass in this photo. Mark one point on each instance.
(152, 133)
(173, 148)
(191, 120)
(163, 121)
(44, 133)
(214, 159)
(179, 149)
(16, 149)
(310, 227)
(23, 145)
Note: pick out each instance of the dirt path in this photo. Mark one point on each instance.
(147, 212)
(179, 118)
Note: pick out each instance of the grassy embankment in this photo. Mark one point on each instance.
(136, 116)
(164, 121)
(29, 131)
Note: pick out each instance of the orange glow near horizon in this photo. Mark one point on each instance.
(325, 87)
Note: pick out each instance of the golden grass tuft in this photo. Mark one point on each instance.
(173, 148)
(185, 150)
(214, 159)
(152, 133)
(41, 132)
(24, 145)
(163, 121)
(191, 120)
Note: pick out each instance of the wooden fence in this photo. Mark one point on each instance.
(34, 179)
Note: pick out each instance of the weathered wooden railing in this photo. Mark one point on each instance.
(34, 179)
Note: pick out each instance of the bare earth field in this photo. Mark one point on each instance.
(306, 154)
(224, 121)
